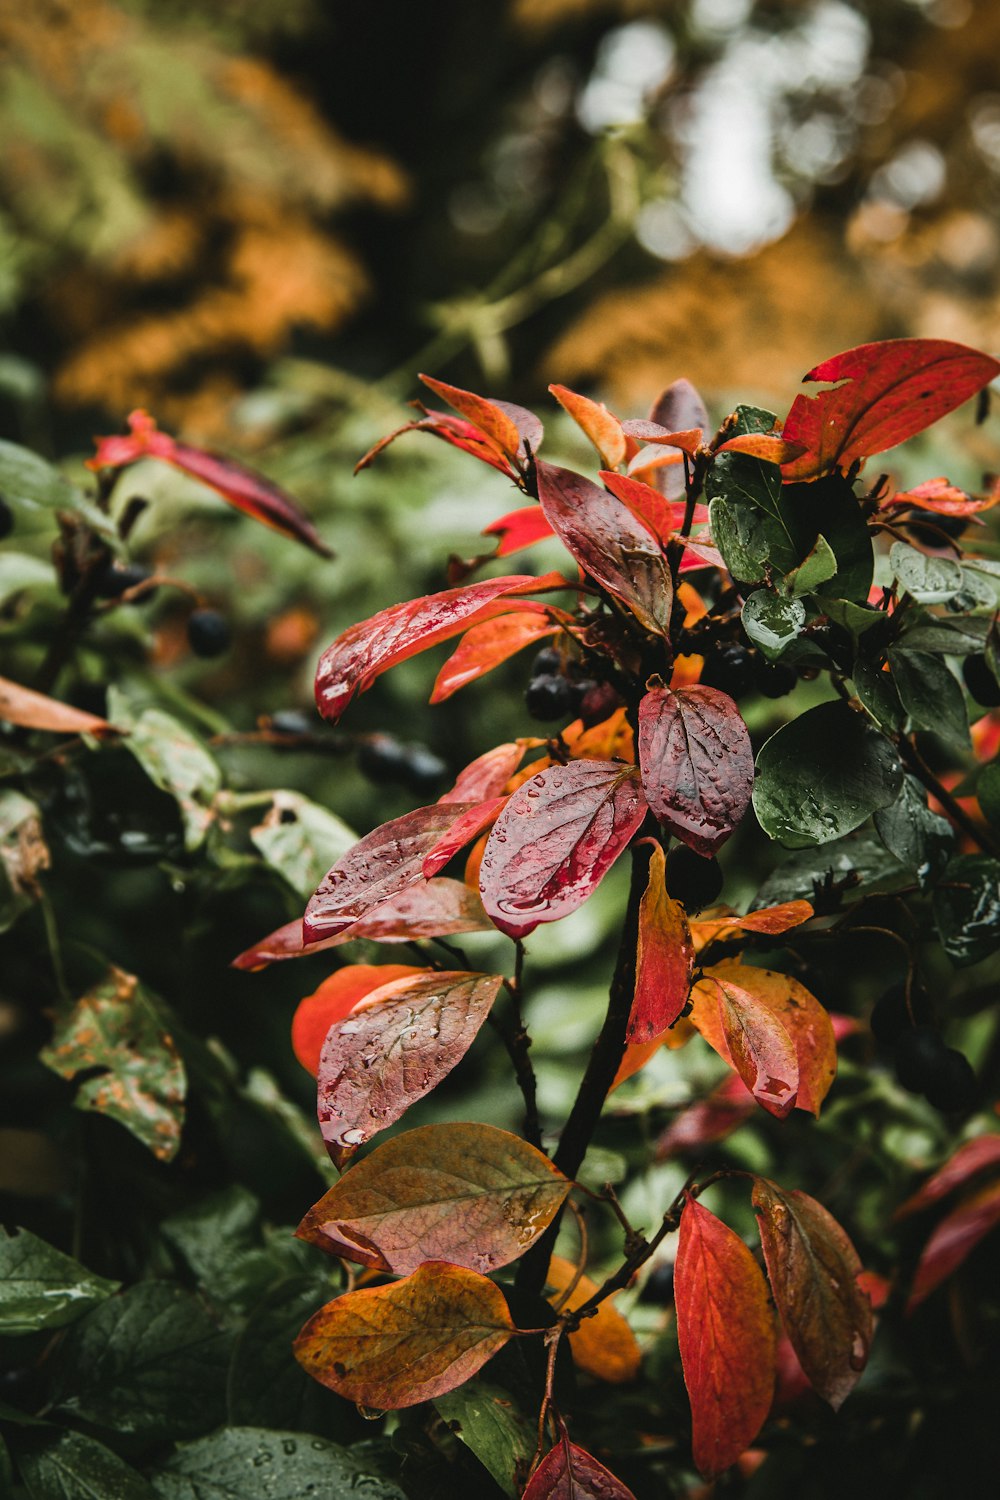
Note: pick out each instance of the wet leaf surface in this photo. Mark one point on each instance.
(258, 1463)
(40, 1287)
(485, 1418)
(967, 908)
(664, 958)
(751, 1037)
(299, 838)
(71, 1466)
(920, 839)
(569, 1472)
(485, 646)
(335, 998)
(696, 763)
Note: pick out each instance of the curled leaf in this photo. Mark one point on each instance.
(492, 418)
(603, 429)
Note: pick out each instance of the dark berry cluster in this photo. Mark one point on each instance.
(733, 669)
(559, 688)
(923, 1064)
(384, 759)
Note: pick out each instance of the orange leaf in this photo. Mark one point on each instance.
(813, 1267)
(30, 710)
(485, 646)
(452, 430)
(603, 429)
(654, 510)
(771, 920)
(806, 1021)
(770, 446)
(611, 739)
(603, 1345)
(473, 1195)
(954, 1239)
(664, 958)
(493, 422)
(726, 1335)
(943, 498)
(394, 1346)
(336, 998)
(518, 529)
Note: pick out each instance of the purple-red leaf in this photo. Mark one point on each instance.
(696, 762)
(726, 1336)
(569, 1472)
(556, 839)
(664, 959)
(393, 1346)
(452, 430)
(813, 1270)
(615, 549)
(376, 868)
(393, 1048)
(351, 664)
(472, 1195)
(891, 391)
(467, 827)
(954, 1239)
(708, 1120)
(680, 406)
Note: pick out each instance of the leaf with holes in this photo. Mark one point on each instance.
(726, 1335)
(394, 1346)
(469, 1194)
(664, 958)
(813, 1270)
(696, 763)
(556, 839)
(394, 1048)
(611, 546)
(891, 391)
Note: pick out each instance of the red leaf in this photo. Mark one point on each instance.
(467, 828)
(813, 1267)
(943, 498)
(394, 1346)
(664, 959)
(654, 510)
(485, 646)
(488, 774)
(555, 841)
(366, 650)
(335, 999)
(518, 529)
(432, 908)
(615, 549)
(242, 487)
(393, 1048)
(970, 1159)
(472, 1195)
(726, 1335)
(375, 868)
(453, 430)
(30, 710)
(568, 1472)
(892, 391)
(954, 1239)
(696, 762)
(751, 1038)
(493, 422)
(708, 1120)
(603, 429)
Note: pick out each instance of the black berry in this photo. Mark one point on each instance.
(980, 681)
(422, 771)
(918, 1055)
(658, 1287)
(115, 578)
(547, 661)
(548, 697)
(890, 1017)
(382, 758)
(773, 679)
(729, 668)
(208, 632)
(6, 519)
(953, 1085)
(692, 879)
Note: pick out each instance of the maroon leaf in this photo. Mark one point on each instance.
(813, 1269)
(954, 1239)
(708, 1120)
(466, 828)
(518, 529)
(891, 391)
(968, 1161)
(494, 423)
(697, 763)
(680, 406)
(354, 660)
(430, 908)
(488, 774)
(375, 868)
(725, 1331)
(615, 549)
(556, 839)
(664, 959)
(393, 1048)
(242, 487)
(568, 1472)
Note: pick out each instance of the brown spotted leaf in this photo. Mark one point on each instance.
(614, 548)
(394, 1048)
(469, 1194)
(813, 1270)
(664, 958)
(696, 762)
(556, 839)
(118, 1029)
(569, 1472)
(726, 1335)
(394, 1346)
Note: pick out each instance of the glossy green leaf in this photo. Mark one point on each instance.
(879, 694)
(823, 774)
(967, 908)
(772, 623)
(929, 580)
(919, 838)
(857, 619)
(266, 1386)
(174, 760)
(256, 1463)
(301, 840)
(818, 566)
(74, 1467)
(964, 636)
(488, 1422)
(857, 863)
(40, 1287)
(931, 694)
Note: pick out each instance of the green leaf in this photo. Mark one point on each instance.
(879, 694)
(23, 854)
(818, 565)
(74, 1467)
(855, 618)
(919, 838)
(929, 580)
(151, 1361)
(302, 840)
(747, 419)
(967, 908)
(119, 1028)
(823, 774)
(860, 859)
(174, 760)
(31, 486)
(266, 1386)
(19, 571)
(988, 793)
(42, 1288)
(959, 637)
(488, 1422)
(220, 1240)
(931, 694)
(772, 623)
(255, 1463)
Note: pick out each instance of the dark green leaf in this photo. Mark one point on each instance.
(919, 838)
(823, 774)
(42, 1288)
(151, 1361)
(931, 694)
(220, 1241)
(771, 622)
(861, 859)
(31, 486)
(74, 1467)
(855, 618)
(255, 1463)
(879, 695)
(988, 793)
(748, 419)
(991, 650)
(967, 908)
(818, 566)
(929, 580)
(963, 636)
(488, 1422)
